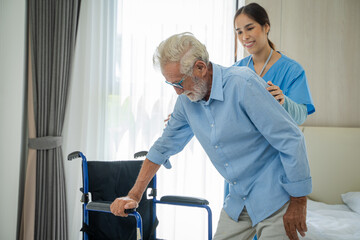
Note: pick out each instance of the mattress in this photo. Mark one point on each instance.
(331, 222)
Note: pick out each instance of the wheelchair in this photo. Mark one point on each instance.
(103, 181)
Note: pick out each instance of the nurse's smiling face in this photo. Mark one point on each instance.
(251, 34)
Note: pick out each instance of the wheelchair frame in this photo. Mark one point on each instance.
(105, 207)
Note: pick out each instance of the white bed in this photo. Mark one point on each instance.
(334, 205)
(332, 222)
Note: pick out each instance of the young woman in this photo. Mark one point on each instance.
(286, 78)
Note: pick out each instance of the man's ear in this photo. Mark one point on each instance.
(200, 68)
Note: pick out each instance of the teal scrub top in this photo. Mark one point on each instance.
(290, 77)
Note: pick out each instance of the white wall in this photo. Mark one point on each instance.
(12, 70)
(323, 36)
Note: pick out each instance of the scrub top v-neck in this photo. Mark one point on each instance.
(289, 76)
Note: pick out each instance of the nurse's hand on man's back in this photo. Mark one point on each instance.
(276, 92)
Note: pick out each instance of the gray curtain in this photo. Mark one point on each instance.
(52, 29)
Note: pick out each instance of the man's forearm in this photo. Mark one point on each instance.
(147, 172)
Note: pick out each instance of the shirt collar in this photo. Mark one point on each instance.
(217, 92)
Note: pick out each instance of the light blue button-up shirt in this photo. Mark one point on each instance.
(250, 139)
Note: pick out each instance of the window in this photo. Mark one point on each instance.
(124, 100)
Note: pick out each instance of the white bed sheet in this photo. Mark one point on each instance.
(331, 222)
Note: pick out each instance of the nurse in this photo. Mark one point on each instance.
(285, 77)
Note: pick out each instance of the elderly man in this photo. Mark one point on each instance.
(251, 140)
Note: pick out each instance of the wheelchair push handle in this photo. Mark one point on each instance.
(74, 155)
(140, 154)
(77, 154)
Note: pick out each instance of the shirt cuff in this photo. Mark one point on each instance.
(158, 158)
(297, 189)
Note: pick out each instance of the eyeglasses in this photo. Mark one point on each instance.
(178, 84)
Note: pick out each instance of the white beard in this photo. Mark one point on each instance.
(199, 92)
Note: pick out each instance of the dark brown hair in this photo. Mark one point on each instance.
(258, 14)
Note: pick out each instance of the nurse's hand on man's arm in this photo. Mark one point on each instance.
(119, 205)
(276, 92)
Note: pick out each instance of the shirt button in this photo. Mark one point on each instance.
(212, 125)
(226, 164)
(234, 183)
(216, 146)
(244, 198)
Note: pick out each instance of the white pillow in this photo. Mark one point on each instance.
(352, 200)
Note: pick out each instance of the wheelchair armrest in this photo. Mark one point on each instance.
(99, 206)
(184, 200)
(189, 202)
(103, 207)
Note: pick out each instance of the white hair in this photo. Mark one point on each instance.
(181, 48)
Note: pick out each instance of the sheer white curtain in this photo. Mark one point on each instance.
(118, 101)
